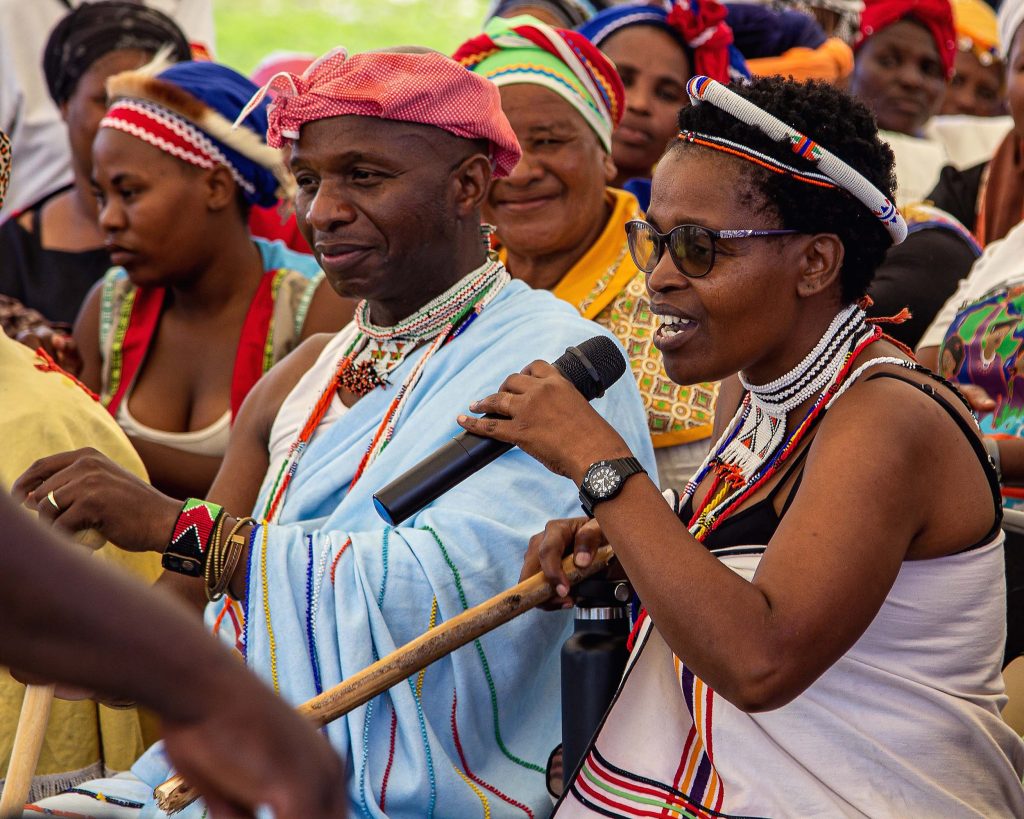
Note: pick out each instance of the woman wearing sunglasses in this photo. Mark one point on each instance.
(823, 606)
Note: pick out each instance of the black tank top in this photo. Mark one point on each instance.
(54, 282)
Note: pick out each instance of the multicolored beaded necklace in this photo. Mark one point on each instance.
(756, 443)
(376, 352)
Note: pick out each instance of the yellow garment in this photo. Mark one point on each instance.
(605, 286)
(42, 413)
(976, 23)
(832, 61)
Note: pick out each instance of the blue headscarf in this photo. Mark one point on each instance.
(761, 31)
(226, 91)
(697, 25)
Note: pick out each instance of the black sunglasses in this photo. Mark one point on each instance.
(692, 247)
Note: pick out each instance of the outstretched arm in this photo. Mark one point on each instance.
(56, 606)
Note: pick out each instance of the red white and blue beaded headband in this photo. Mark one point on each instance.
(705, 89)
(769, 163)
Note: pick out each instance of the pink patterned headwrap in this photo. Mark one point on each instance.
(424, 88)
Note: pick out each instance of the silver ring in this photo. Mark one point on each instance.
(53, 500)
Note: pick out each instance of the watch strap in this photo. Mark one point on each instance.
(626, 468)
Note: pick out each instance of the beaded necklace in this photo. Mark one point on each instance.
(376, 352)
(756, 444)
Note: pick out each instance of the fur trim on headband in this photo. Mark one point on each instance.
(142, 84)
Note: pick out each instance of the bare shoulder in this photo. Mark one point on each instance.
(909, 452)
(87, 320)
(897, 402)
(328, 312)
(285, 374)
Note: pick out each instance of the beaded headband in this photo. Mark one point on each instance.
(767, 162)
(184, 109)
(704, 89)
(171, 133)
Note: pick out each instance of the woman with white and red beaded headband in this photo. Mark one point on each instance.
(195, 309)
(823, 620)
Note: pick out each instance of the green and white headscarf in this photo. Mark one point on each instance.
(523, 50)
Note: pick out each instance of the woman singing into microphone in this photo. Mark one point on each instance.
(824, 611)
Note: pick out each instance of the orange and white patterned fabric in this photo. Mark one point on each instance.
(5, 164)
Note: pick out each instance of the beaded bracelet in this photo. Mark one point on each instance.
(224, 557)
(213, 557)
(190, 540)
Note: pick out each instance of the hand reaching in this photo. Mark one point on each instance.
(581, 537)
(61, 347)
(548, 418)
(250, 749)
(84, 489)
(980, 401)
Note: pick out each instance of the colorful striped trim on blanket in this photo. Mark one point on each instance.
(612, 791)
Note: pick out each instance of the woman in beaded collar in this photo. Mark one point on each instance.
(825, 605)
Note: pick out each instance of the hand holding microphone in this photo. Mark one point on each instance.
(543, 410)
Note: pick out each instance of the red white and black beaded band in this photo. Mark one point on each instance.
(189, 548)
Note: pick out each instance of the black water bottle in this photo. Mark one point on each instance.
(593, 660)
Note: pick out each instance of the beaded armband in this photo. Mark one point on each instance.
(190, 541)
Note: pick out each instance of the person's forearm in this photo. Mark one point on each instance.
(78, 622)
(191, 589)
(694, 599)
(1011, 459)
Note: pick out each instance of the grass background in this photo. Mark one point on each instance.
(248, 30)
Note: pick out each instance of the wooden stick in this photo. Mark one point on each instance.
(175, 794)
(28, 742)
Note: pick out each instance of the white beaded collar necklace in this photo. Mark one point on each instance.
(818, 368)
(763, 419)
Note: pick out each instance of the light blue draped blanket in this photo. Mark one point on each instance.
(472, 733)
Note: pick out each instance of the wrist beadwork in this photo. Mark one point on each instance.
(224, 558)
(190, 541)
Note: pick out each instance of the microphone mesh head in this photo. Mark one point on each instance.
(605, 360)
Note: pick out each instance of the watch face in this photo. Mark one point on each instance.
(603, 481)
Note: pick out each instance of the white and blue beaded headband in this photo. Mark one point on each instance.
(705, 89)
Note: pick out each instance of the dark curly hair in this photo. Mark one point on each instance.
(837, 122)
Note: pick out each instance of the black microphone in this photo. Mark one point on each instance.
(591, 368)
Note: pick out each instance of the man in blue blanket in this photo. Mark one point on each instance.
(393, 153)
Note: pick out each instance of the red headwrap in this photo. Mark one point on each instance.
(935, 15)
(707, 35)
(425, 88)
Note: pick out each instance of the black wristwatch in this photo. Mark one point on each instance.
(604, 480)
